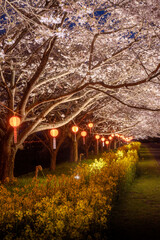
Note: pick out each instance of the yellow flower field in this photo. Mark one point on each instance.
(68, 207)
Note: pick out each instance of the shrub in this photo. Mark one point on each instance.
(68, 207)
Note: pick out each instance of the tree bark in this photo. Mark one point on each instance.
(71, 158)
(54, 153)
(53, 160)
(75, 150)
(8, 152)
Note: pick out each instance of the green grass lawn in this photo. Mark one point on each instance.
(137, 213)
(63, 168)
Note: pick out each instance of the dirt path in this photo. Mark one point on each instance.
(137, 214)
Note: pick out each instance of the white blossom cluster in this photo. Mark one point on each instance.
(68, 57)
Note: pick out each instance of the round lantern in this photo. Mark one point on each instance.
(54, 133)
(15, 122)
(110, 138)
(90, 125)
(83, 134)
(75, 130)
(107, 143)
(103, 139)
(97, 137)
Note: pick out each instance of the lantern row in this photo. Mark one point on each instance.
(15, 121)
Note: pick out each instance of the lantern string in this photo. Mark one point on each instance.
(15, 113)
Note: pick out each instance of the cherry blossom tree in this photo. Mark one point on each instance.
(58, 58)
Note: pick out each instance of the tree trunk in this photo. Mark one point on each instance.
(71, 158)
(54, 153)
(53, 160)
(96, 146)
(87, 152)
(8, 152)
(75, 151)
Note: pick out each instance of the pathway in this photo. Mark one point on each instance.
(137, 214)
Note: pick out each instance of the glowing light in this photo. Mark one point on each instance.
(103, 139)
(97, 137)
(83, 134)
(107, 142)
(54, 133)
(77, 177)
(110, 137)
(15, 122)
(90, 125)
(75, 129)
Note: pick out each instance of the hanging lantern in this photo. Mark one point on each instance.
(54, 133)
(75, 130)
(110, 137)
(103, 139)
(107, 143)
(90, 125)
(15, 122)
(83, 134)
(97, 137)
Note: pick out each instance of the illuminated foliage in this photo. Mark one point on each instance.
(66, 206)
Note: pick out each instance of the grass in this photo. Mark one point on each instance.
(63, 168)
(137, 215)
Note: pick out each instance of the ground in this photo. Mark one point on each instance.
(137, 213)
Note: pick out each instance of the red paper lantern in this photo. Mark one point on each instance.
(107, 143)
(110, 138)
(103, 139)
(75, 129)
(90, 125)
(15, 122)
(54, 133)
(97, 137)
(83, 134)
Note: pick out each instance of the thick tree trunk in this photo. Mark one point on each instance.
(7, 158)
